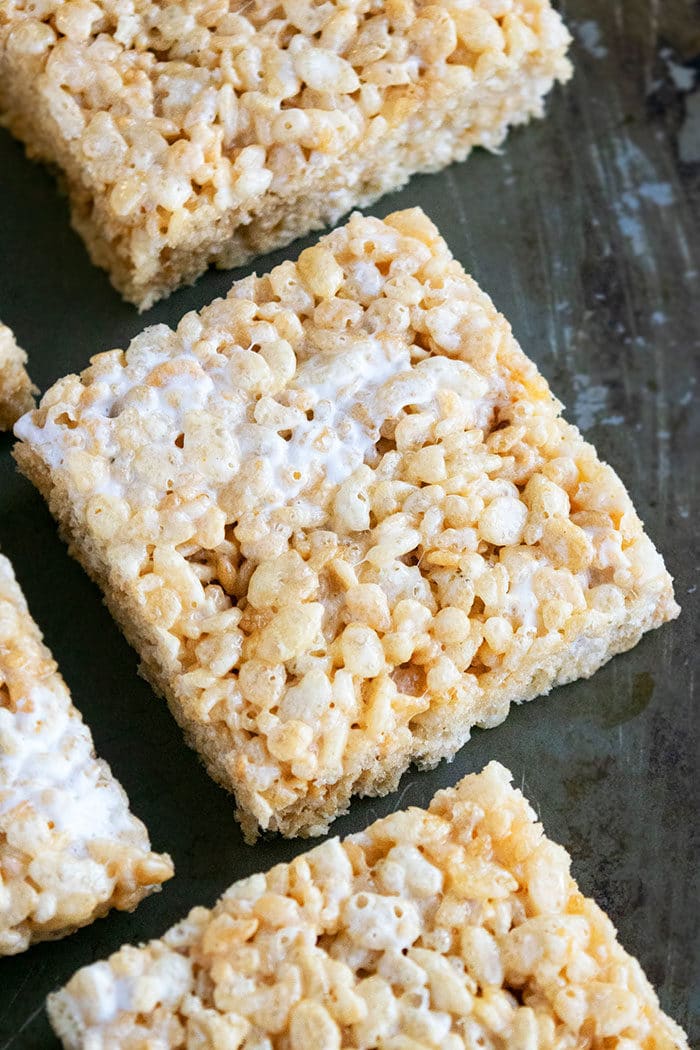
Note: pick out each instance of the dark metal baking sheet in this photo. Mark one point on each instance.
(586, 232)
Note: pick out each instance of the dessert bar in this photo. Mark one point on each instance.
(70, 849)
(457, 927)
(199, 132)
(342, 520)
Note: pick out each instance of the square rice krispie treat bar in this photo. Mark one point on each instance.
(340, 517)
(69, 847)
(207, 131)
(458, 927)
(16, 390)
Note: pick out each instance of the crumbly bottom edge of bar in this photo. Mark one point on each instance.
(436, 741)
(356, 179)
(441, 742)
(43, 937)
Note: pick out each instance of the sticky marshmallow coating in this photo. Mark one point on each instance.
(452, 928)
(339, 515)
(70, 849)
(206, 131)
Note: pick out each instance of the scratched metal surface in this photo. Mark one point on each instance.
(586, 234)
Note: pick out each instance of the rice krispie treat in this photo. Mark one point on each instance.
(457, 928)
(16, 390)
(341, 519)
(69, 847)
(207, 131)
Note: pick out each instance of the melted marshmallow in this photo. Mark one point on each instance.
(346, 397)
(47, 767)
(522, 602)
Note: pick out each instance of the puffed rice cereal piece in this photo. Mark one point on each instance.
(203, 131)
(339, 515)
(70, 849)
(455, 928)
(16, 389)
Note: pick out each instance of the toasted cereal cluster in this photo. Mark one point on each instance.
(16, 390)
(456, 928)
(69, 847)
(339, 515)
(206, 131)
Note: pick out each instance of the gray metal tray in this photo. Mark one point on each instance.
(586, 232)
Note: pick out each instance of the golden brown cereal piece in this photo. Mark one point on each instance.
(457, 927)
(199, 132)
(339, 515)
(16, 389)
(69, 847)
